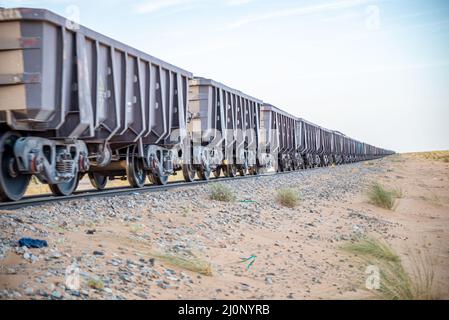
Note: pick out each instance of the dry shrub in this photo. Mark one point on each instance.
(221, 192)
(396, 283)
(287, 197)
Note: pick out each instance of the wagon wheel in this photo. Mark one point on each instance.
(65, 188)
(254, 170)
(135, 168)
(244, 170)
(204, 174)
(13, 184)
(307, 162)
(188, 172)
(98, 180)
(217, 172)
(230, 170)
(281, 166)
(159, 180)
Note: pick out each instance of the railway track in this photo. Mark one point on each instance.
(116, 191)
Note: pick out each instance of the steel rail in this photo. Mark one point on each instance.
(125, 190)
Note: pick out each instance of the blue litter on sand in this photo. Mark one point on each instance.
(32, 243)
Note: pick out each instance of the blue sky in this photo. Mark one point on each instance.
(377, 70)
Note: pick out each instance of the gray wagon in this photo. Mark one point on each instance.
(74, 101)
(286, 138)
(224, 127)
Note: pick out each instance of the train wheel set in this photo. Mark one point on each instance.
(74, 102)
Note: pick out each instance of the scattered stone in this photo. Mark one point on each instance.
(55, 255)
(163, 284)
(75, 293)
(244, 286)
(56, 295)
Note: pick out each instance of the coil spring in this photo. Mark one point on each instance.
(64, 163)
(64, 166)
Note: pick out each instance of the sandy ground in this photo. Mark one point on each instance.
(117, 240)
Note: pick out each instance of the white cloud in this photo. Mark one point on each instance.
(237, 2)
(299, 11)
(151, 6)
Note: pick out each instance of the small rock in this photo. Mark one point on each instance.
(42, 293)
(244, 286)
(84, 293)
(163, 284)
(55, 255)
(56, 294)
(75, 293)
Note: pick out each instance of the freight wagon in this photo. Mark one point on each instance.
(75, 102)
(225, 129)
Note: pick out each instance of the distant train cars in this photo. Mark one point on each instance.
(225, 124)
(74, 102)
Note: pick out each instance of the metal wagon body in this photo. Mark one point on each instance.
(288, 137)
(77, 100)
(224, 125)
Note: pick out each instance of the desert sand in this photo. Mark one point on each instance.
(126, 246)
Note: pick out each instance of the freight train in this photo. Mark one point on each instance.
(75, 102)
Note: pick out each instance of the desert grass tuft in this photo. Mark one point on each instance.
(96, 284)
(398, 193)
(371, 247)
(380, 196)
(220, 192)
(434, 155)
(191, 263)
(287, 197)
(395, 282)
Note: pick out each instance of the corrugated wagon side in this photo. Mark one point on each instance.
(224, 126)
(74, 101)
(286, 137)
